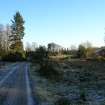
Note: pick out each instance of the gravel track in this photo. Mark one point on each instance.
(15, 86)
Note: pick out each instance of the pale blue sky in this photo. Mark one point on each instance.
(64, 22)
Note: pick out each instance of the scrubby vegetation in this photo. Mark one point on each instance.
(82, 82)
(50, 72)
(63, 101)
(14, 57)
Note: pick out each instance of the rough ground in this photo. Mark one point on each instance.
(83, 83)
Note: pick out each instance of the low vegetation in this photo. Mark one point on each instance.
(63, 101)
(13, 57)
(50, 72)
(82, 82)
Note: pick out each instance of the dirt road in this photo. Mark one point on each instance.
(15, 86)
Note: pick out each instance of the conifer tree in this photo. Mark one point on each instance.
(17, 33)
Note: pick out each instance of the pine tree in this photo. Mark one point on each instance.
(17, 33)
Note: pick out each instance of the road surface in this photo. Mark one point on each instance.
(15, 86)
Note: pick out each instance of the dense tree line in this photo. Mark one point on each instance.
(11, 38)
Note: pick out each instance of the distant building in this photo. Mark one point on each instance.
(53, 47)
(100, 52)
